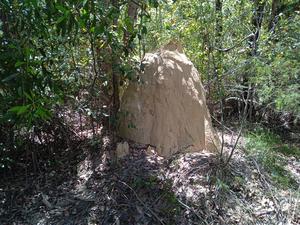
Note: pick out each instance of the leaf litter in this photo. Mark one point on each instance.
(143, 188)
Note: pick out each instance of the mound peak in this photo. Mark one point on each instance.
(167, 107)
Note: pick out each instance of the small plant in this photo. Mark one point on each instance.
(149, 182)
(221, 185)
(266, 145)
(265, 139)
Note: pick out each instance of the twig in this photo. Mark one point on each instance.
(196, 169)
(227, 128)
(245, 115)
(295, 205)
(159, 197)
(237, 44)
(268, 187)
(46, 202)
(241, 100)
(144, 204)
(234, 147)
(193, 210)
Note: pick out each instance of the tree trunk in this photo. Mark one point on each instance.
(218, 64)
(132, 12)
(218, 61)
(5, 24)
(276, 4)
(219, 30)
(257, 19)
(115, 73)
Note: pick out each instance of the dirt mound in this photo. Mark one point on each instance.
(166, 107)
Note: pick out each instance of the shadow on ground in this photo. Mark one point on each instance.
(143, 188)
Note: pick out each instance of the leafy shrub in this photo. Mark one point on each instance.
(278, 69)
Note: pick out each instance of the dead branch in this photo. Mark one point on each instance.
(227, 128)
(236, 45)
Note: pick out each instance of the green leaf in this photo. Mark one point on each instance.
(144, 30)
(28, 96)
(61, 8)
(21, 109)
(60, 19)
(84, 2)
(19, 63)
(42, 113)
(10, 77)
(153, 3)
(99, 29)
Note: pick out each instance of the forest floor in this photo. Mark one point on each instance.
(82, 187)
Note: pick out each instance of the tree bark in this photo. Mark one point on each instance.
(5, 23)
(132, 12)
(115, 73)
(218, 36)
(219, 64)
(274, 14)
(219, 21)
(257, 19)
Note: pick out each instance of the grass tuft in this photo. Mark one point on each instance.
(269, 150)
